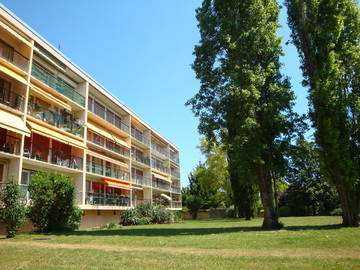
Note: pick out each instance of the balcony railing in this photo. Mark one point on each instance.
(15, 57)
(140, 158)
(138, 136)
(140, 201)
(176, 204)
(161, 202)
(61, 120)
(97, 168)
(140, 180)
(175, 173)
(159, 167)
(161, 186)
(10, 144)
(176, 189)
(57, 84)
(12, 100)
(108, 116)
(159, 150)
(174, 158)
(53, 156)
(107, 199)
(101, 141)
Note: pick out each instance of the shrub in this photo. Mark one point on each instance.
(130, 217)
(194, 204)
(161, 215)
(336, 212)
(52, 203)
(13, 209)
(145, 221)
(284, 211)
(231, 213)
(109, 226)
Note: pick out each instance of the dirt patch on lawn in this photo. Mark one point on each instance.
(289, 253)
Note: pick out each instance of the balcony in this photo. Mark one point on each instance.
(175, 173)
(162, 202)
(176, 204)
(12, 100)
(100, 199)
(139, 137)
(140, 158)
(107, 115)
(57, 84)
(10, 144)
(160, 150)
(161, 186)
(158, 165)
(14, 57)
(140, 201)
(140, 180)
(96, 168)
(60, 119)
(54, 156)
(110, 145)
(174, 158)
(175, 189)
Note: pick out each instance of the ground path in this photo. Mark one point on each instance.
(290, 253)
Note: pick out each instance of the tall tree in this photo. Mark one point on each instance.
(243, 97)
(326, 34)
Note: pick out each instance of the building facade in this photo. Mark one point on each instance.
(56, 118)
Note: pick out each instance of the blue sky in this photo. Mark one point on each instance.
(141, 51)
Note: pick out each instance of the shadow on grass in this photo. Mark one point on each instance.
(134, 231)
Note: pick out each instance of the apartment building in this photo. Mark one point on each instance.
(54, 117)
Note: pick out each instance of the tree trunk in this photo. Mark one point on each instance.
(349, 207)
(267, 197)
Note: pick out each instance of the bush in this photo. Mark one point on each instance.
(13, 209)
(52, 203)
(336, 212)
(109, 226)
(194, 204)
(284, 211)
(231, 213)
(147, 214)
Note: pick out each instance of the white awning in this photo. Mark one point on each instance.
(161, 177)
(13, 123)
(166, 196)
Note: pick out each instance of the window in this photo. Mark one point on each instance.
(6, 51)
(5, 87)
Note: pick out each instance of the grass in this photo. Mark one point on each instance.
(304, 243)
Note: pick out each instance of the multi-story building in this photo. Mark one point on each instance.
(54, 117)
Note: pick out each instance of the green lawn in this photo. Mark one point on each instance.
(304, 243)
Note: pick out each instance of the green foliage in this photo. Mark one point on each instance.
(336, 212)
(12, 211)
(52, 203)
(284, 211)
(109, 226)
(147, 214)
(194, 203)
(243, 100)
(326, 34)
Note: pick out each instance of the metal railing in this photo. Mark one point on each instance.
(159, 150)
(175, 189)
(57, 119)
(160, 186)
(107, 199)
(139, 137)
(15, 57)
(57, 84)
(10, 144)
(174, 158)
(101, 112)
(176, 204)
(53, 156)
(140, 180)
(165, 203)
(110, 145)
(140, 201)
(12, 100)
(140, 158)
(158, 166)
(175, 173)
(100, 169)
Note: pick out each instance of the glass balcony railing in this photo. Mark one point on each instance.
(59, 119)
(159, 166)
(14, 57)
(94, 167)
(141, 158)
(162, 202)
(12, 100)
(175, 189)
(57, 84)
(175, 174)
(160, 150)
(140, 201)
(174, 158)
(107, 199)
(140, 180)
(10, 144)
(161, 186)
(53, 156)
(112, 146)
(176, 204)
(139, 137)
